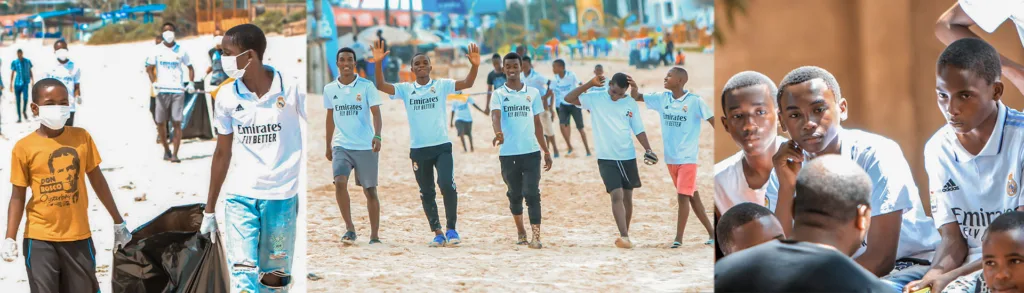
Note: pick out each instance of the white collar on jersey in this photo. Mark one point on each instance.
(512, 91)
(343, 85)
(419, 86)
(277, 84)
(993, 146)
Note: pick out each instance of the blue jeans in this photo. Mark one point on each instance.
(904, 274)
(21, 100)
(260, 240)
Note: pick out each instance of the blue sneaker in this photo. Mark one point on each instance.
(453, 237)
(438, 241)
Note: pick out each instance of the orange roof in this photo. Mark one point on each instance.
(365, 17)
(10, 19)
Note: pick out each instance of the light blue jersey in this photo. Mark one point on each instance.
(681, 120)
(461, 110)
(518, 109)
(615, 124)
(425, 107)
(561, 86)
(353, 124)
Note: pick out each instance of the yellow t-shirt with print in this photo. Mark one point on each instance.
(54, 169)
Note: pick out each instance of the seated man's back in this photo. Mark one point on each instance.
(790, 266)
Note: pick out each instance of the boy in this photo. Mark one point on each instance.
(563, 82)
(973, 162)
(166, 78)
(956, 24)
(462, 120)
(495, 79)
(616, 117)
(352, 142)
(747, 225)
(812, 106)
(599, 71)
(69, 74)
(430, 147)
(516, 121)
(1003, 253)
(54, 161)
(535, 80)
(681, 134)
(265, 114)
(21, 80)
(834, 213)
(751, 119)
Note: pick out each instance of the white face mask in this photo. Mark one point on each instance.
(230, 65)
(168, 37)
(54, 116)
(62, 55)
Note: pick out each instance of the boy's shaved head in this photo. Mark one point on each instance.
(748, 79)
(974, 55)
(806, 73)
(42, 84)
(746, 225)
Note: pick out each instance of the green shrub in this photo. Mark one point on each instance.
(125, 31)
(270, 21)
(297, 16)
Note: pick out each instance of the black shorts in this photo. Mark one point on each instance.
(464, 128)
(570, 111)
(619, 174)
(152, 107)
(61, 266)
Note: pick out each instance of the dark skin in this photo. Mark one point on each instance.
(751, 234)
(811, 114)
(559, 69)
(752, 122)
(955, 24)
(547, 99)
(31, 78)
(346, 64)
(824, 231)
(675, 81)
(512, 70)
(421, 68)
(1003, 260)
(970, 105)
(622, 200)
(176, 125)
(56, 95)
(78, 88)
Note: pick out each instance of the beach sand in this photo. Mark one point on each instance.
(578, 227)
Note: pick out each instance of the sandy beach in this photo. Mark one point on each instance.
(115, 93)
(578, 228)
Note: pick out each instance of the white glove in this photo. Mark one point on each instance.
(121, 235)
(9, 251)
(190, 88)
(209, 226)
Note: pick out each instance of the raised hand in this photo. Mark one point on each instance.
(378, 51)
(788, 161)
(633, 88)
(474, 54)
(597, 81)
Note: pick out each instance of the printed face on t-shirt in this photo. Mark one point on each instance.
(61, 187)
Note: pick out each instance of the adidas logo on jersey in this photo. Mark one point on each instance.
(239, 108)
(414, 92)
(335, 97)
(950, 186)
(506, 99)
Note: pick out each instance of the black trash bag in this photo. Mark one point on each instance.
(169, 255)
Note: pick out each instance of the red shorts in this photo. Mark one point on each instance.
(684, 177)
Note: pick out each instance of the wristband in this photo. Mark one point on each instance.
(378, 137)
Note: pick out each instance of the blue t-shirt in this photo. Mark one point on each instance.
(681, 120)
(23, 70)
(615, 123)
(353, 124)
(461, 110)
(518, 109)
(425, 108)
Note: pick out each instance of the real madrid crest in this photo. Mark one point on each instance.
(528, 98)
(359, 97)
(684, 108)
(280, 102)
(415, 167)
(432, 90)
(1011, 185)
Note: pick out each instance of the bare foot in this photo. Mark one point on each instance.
(623, 242)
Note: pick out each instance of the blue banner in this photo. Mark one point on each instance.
(446, 6)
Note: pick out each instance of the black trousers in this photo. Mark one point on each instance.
(424, 162)
(522, 177)
(60, 267)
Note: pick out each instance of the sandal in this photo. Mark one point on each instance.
(676, 244)
(349, 238)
